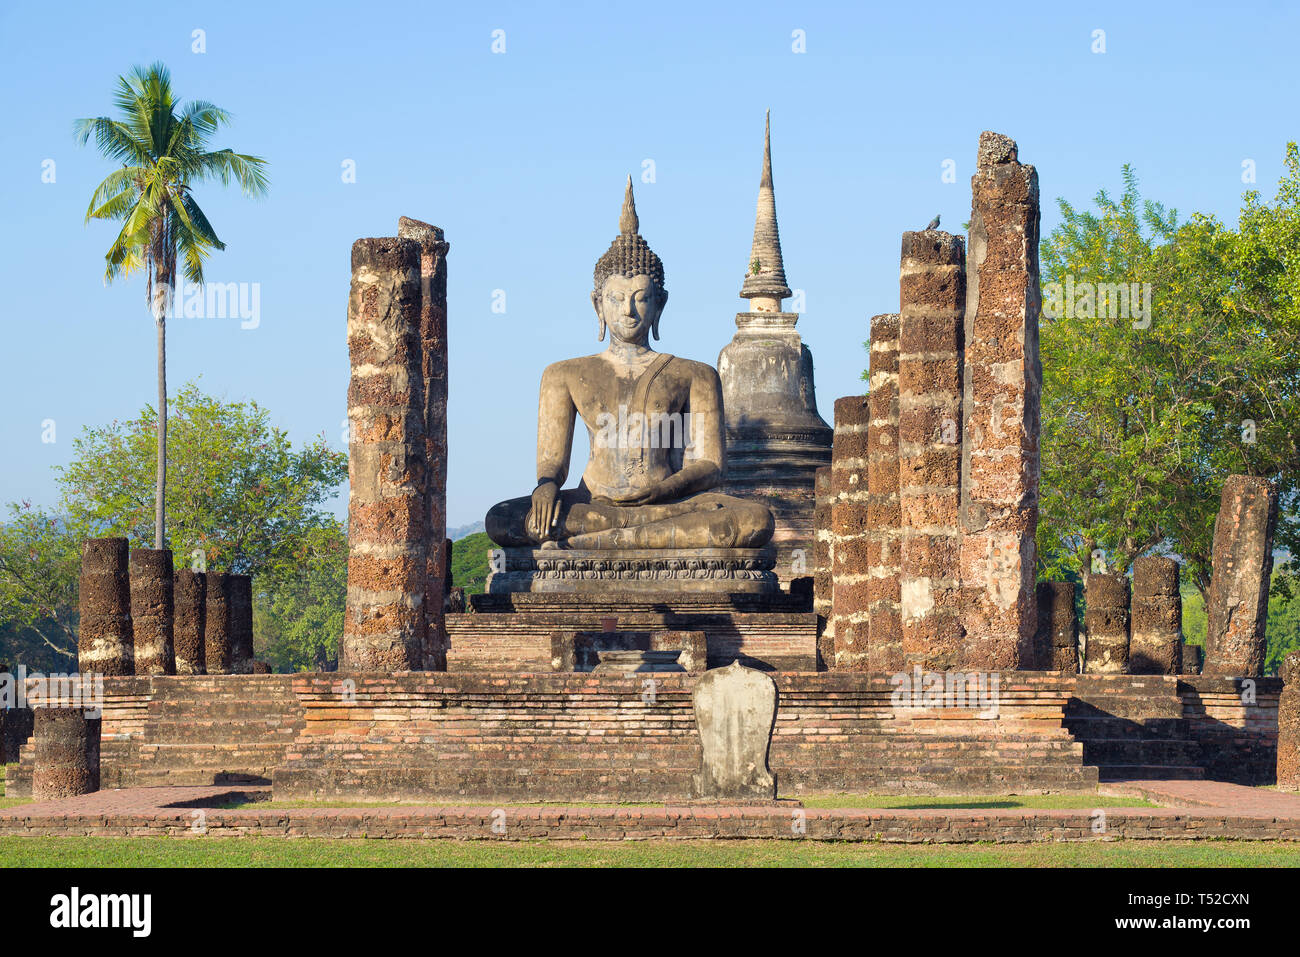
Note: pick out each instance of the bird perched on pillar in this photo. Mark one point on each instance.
(934, 223)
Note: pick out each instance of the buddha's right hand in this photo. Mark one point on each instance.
(544, 516)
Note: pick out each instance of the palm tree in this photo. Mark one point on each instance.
(162, 146)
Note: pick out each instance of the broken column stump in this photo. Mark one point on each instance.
(1156, 619)
(217, 653)
(385, 623)
(884, 516)
(241, 624)
(67, 753)
(1288, 725)
(189, 599)
(1105, 622)
(152, 611)
(1237, 610)
(105, 642)
(735, 709)
(932, 298)
(1057, 646)
(849, 530)
(1001, 382)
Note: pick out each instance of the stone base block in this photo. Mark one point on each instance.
(666, 571)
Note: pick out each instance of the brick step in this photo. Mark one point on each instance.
(1085, 728)
(1147, 772)
(1126, 751)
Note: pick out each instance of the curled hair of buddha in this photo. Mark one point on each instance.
(629, 255)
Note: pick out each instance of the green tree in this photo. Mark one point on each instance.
(469, 562)
(162, 146)
(298, 617)
(1145, 415)
(40, 562)
(242, 499)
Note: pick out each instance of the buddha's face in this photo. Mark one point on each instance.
(630, 308)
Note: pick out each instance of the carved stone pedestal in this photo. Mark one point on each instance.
(663, 571)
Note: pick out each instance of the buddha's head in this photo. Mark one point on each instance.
(629, 294)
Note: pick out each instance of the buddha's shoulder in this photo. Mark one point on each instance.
(689, 367)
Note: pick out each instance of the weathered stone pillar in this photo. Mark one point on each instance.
(1058, 628)
(384, 627)
(241, 624)
(849, 584)
(1243, 568)
(932, 297)
(1001, 383)
(822, 568)
(884, 517)
(1288, 725)
(1105, 620)
(67, 753)
(217, 653)
(1156, 623)
(152, 611)
(190, 599)
(433, 367)
(105, 643)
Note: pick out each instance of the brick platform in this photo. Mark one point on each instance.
(1229, 812)
(583, 737)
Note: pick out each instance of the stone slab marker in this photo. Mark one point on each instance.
(1001, 383)
(822, 567)
(1058, 624)
(189, 600)
(850, 597)
(105, 642)
(884, 516)
(932, 298)
(1105, 619)
(735, 708)
(67, 753)
(1237, 610)
(241, 624)
(1156, 619)
(1288, 725)
(217, 653)
(433, 367)
(152, 611)
(384, 628)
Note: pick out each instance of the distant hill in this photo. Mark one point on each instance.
(458, 533)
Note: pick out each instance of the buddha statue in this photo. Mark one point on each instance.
(656, 426)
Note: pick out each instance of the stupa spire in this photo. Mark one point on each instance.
(765, 284)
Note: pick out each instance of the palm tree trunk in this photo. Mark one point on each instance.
(160, 487)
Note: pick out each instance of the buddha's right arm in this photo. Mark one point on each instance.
(555, 417)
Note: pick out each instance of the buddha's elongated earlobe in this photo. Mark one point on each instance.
(600, 320)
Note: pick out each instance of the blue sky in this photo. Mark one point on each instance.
(521, 156)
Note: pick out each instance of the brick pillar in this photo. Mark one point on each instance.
(105, 643)
(850, 617)
(241, 624)
(1243, 566)
(822, 567)
(1105, 620)
(932, 296)
(1288, 725)
(190, 598)
(1001, 381)
(67, 753)
(384, 626)
(1058, 628)
(1156, 619)
(217, 653)
(433, 367)
(884, 545)
(152, 611)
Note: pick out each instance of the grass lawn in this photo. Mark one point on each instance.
(303, 852)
